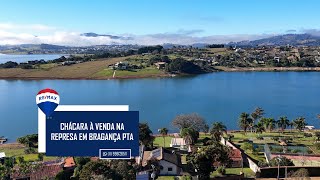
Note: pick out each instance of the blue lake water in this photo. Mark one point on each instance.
(217, 97)
(25, 58)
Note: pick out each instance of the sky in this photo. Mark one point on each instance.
(147, 22)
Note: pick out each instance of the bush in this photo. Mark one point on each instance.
(183, 66)
(260, 138)
(277, 149)
(300, 173)
(29, 150)
(247, 146)
(309, 151)
(307, 135)
(221, 170)
(26, 66)
(262, 164)
(186, 177)
(295, 150)
(9, 64)
(287, 139)
(230, 137)
(317, 146)
(283, 161)
(275, 138)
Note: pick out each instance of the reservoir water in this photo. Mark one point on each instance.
(25, 58)
(215, 96)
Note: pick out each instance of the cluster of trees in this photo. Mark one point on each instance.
(216, 46)
(100, 169)
(9, 64)
(35, 63)
(257, 123)
(29, 140)
(202, 160)
(180, 65)
(150, 49)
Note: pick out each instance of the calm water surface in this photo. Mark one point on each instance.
(216, 97)
(25, 58)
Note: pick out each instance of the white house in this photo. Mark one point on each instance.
(2, 155)
(121, 65)
(169, 161)
(178, 143)
(309, 127)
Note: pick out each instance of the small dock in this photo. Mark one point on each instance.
(3, 140)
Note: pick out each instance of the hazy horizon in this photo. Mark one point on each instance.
(150, 23)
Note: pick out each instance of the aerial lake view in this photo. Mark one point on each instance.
(218, 96)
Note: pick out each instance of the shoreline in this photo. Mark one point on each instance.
(268, 69)
(218, 69)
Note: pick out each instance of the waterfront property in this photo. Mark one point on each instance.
(170, 163)
(178, 142)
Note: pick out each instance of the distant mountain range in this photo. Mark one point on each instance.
(281, 40)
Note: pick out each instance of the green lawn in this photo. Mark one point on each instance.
(19, 151)
(47, 66)
(236, 171)
(297, 139)
(166, 178)
(138, 72)
(158, 141)
(150, 71)
(104, 73)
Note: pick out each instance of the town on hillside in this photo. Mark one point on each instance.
(263, 147)
(158, 61)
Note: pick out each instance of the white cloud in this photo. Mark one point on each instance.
(11, 34)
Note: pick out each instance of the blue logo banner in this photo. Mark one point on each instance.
(104, 134)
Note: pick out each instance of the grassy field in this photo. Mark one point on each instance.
(236, 171)
(146, 72)
(18, 150)
(298, 140)
(158, 141)
(86, 70)
(166, 178)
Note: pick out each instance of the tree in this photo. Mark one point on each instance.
(317, 134)
(206, 128)
(190, 135)
(245, 121)
(145, 135)
(203, 159)
(301, 173)
(96, 169)
(193, 120)
(64, 175)
(282, 161)
(247, 146)
(124, 169)
(183, 66)
(9, 64)
(283, 123)
(217, 130)
(7, 167)
(300, 123)
(164, 132)
(154, 166)
(80, 161)
(40, 156)
(269, 123)
(259, 127)
(29, 140)
(291, 124)
(257, 114)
